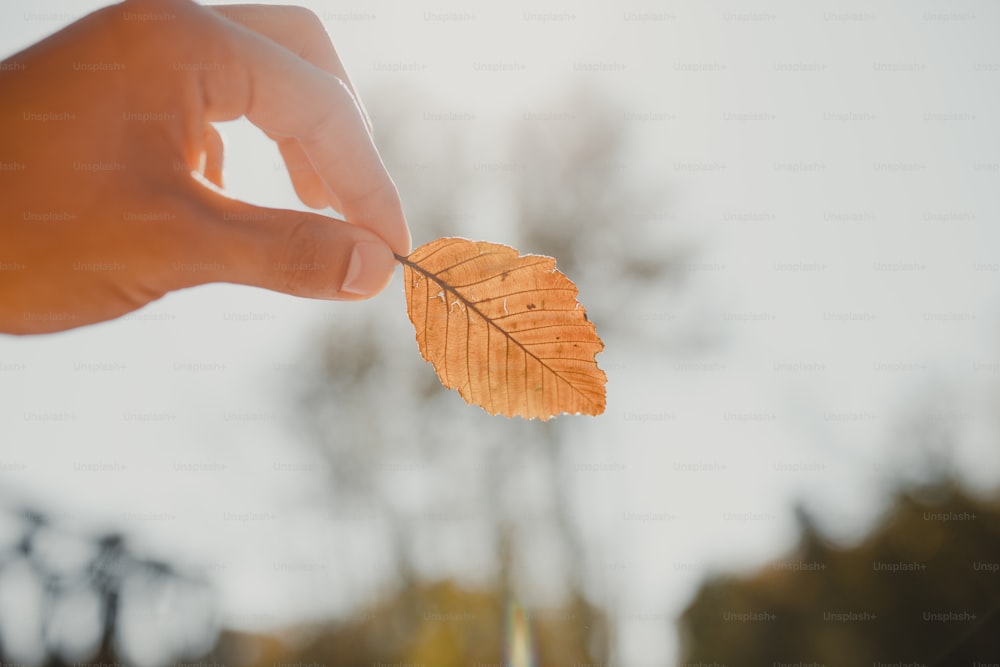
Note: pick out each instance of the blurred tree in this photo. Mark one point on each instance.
(71, 598)
(426, 469)
(582, 199)
(922, 589)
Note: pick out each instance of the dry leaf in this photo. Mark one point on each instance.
(506, 331)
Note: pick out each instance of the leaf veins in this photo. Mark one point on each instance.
(505, 330)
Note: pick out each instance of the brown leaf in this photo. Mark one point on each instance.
(505, 330)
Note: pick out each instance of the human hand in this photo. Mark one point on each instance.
(105, 129)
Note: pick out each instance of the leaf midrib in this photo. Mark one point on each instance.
(405, 261)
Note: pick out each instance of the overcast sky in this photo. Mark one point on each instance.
(838, 167)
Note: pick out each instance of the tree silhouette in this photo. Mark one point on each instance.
(105, 573)
(923, 588)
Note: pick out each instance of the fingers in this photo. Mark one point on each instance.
(301, 32)
(294, 252)
(288, 97)
(298, 30)
(307, 183)
(213, 152)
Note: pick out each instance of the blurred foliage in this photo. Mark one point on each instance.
(68, 597)
(923, 588)
(436, 624)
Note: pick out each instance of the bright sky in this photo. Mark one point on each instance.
(838, 165)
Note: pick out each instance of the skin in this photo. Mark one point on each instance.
(111, 173)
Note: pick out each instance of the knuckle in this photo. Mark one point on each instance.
(297, 262)
(305, 18)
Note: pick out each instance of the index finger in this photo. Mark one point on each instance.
(300, 31)
(287, 96)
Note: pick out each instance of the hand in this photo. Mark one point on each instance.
(107, 151)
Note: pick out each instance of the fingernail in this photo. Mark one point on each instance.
(369, 268)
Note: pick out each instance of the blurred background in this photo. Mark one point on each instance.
(782, 218)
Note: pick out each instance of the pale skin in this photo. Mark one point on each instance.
(108, 156)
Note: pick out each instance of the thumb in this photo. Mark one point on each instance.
(295, 252)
